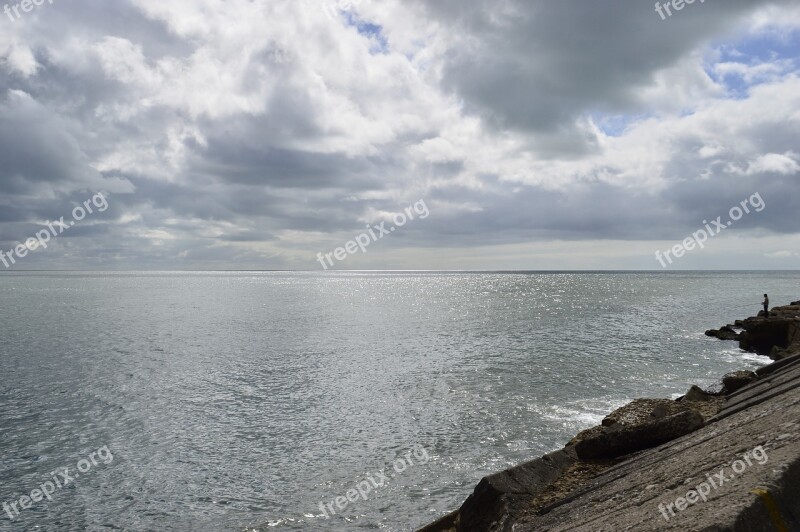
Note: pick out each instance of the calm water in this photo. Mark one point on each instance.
(242, 400)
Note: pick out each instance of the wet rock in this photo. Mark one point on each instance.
(696, 393)
(762, 335)
(588, 433)
(779, 353)
(725, 333)
(659, 412)
(495, 498)
(626, 440)
(638, 411)
(716, 389)
(738, 379)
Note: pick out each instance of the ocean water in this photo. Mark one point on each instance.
(247, 401)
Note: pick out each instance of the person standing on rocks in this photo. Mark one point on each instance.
(766, 306)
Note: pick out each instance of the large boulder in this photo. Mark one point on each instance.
(497, 497)
(639, 411)
(738, 379)
(779, 353)
(619, 440)
(761, 336)
(724, 333)
(696, 393)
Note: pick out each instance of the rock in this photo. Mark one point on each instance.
(696, 393)
(716, 389)
(642, 411)
(611, 465)
(762, 335)
(582, 435)
(708, 408)
(777, 366)
(778, 353)
(659, 412)
(495, 498)
(725, 333)
(764, 497)
(637, 411)
(738, 379)
(626, 440)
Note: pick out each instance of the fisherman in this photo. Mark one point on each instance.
(766, 306)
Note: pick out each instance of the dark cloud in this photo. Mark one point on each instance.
(537, 65)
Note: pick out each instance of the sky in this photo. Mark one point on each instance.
(518, 134)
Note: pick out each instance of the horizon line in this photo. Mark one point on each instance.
(501, 270)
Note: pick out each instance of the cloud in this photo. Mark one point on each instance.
(782, 254)
(774, 163)
(254, 134)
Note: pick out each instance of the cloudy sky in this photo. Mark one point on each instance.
(541, 134)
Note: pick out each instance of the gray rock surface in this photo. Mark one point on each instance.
(738, 379)
(625, 440)
(759, 495)
(725, 333)
(498, 497)
(751, 437)
(776, 336)
(696, 393)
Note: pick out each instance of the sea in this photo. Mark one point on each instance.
(256, 401)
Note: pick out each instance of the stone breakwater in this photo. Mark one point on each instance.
(776, 336)
(637, 470)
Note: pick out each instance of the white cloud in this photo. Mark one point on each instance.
(18, 56)
(782, 254)
(755, 72)
(775, 163)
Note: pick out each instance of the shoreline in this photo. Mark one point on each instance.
(523, 497)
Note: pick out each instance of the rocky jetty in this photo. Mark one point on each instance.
(776, 335)
(652, 464)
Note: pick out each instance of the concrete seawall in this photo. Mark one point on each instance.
(708, 461)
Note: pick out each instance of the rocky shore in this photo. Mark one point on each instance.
(637, 470)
